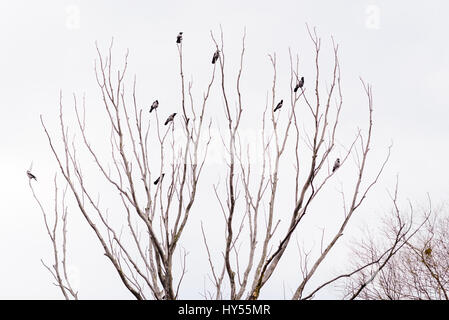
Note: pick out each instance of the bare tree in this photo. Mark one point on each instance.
(312, 160)
(419, 270)
(154, 213)
(141, 237)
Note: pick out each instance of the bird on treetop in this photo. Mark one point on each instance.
(279, 105)
(159, 179)
(179, 38)
(336, 165)
(300, 84)
(30, 175)
(170, 119)
(215, 57)
(154, 105)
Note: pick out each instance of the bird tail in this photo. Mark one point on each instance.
(151, 109)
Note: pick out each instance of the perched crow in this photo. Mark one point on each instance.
(170, 119)
(30, 175)
(158, 179)
(336, 165)
(299, 84)
(179, 38)
(278, 106)
(154, 105)
(215, 57)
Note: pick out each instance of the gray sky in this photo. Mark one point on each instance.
(400, 47)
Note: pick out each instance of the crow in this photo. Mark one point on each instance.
(30, 175)
(299, 84)
(170, 119)
(159, 179)
(179, 38)
(215, 57)
(336, 165)
(278, 106)
(154, 105)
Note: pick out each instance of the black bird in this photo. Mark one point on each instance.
(158, 179)
(30, 175)
(170, 119)
(215, 57)
(336, 165)
(154, 105)
(179, 38)
(278, 106)
(299, 84)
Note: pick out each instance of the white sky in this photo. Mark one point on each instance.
(401, 47)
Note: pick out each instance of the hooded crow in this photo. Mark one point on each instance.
(159, 179)
(170, 119)
(300, 84)
(154, 105)
(179, 38)
(278, 106)
(215, 57)
(30, 175)
(336, 165)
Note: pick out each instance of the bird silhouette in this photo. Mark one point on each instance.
(179, 38)
(154, 105)
(159, 179)
(336, 165)
(279, 105)
(170, 119)
(30, 175)
(215, 57)
(300, 84)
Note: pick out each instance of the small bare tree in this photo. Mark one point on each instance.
(415, 266)
(59, 268)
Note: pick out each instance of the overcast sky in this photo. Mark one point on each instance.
(400, 47)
